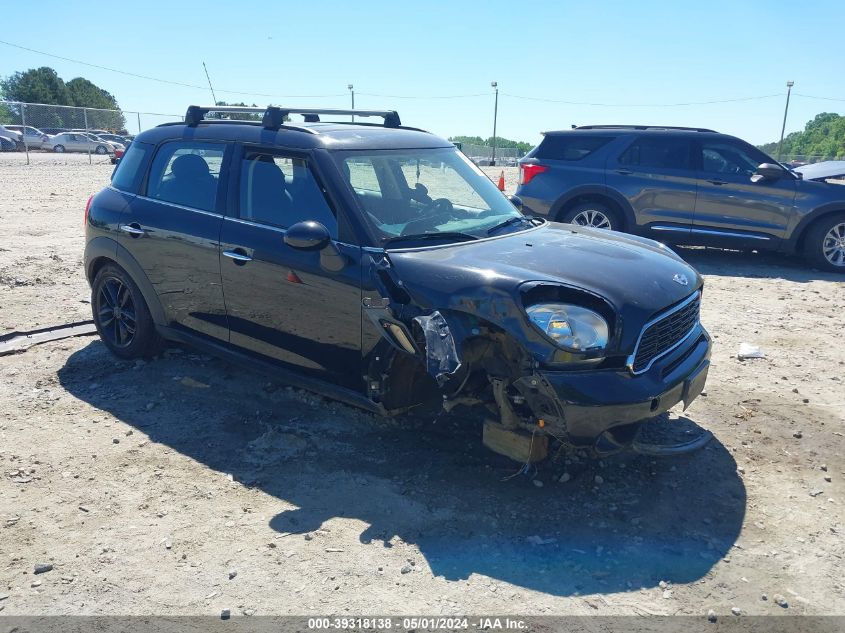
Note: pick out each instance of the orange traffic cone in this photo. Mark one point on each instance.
(502, 181)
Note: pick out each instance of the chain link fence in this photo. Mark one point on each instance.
(92, 130)
(483, 154)
(806, 159)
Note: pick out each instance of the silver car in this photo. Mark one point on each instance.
(32, 136)
(80, 142)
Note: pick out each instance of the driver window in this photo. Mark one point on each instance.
(727, 158)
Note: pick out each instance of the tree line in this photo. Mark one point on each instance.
(43, 85)
(823, 136)
(523, 147)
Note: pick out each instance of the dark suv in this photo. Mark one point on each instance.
(685, 186)
(377, 265)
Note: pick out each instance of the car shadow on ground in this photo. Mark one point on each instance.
(619, 525)
(757, 264)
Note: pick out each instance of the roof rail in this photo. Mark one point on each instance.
(642, 127)
(274, 116)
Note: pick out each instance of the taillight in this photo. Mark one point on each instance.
(527, 171)
(87, 209)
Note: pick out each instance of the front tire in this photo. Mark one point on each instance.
(121, 315)
(101, 149)
(824, 245)
(593, 214)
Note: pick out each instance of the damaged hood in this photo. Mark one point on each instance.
(636, 276)
(823, 170)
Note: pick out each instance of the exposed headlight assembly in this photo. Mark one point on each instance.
(571, 327)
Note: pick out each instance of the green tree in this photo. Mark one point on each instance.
(235, 116)
(522, 146)
(43, 85)
(104, 113)
(823, 137)
(37, 85)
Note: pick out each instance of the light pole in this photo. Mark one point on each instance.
(352, 93)
(789, 85)
(495, 86)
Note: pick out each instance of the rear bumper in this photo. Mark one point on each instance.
(582, 405)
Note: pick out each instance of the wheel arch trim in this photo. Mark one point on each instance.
(796, 240)
(106, 248)
(596, 191)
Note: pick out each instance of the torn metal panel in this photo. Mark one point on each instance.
(441, 355)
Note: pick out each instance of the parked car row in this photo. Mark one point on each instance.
(61, 140)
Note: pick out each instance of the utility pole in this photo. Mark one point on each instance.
(495, 86)
(209, 84)
(789, 85)
(351, 89)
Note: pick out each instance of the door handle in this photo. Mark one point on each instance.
(133, 229)
(717, 181)
(624, 172)
(238, 255)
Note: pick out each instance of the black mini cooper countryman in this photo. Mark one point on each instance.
(375, 264)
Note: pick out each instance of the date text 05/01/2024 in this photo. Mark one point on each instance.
(416, 623)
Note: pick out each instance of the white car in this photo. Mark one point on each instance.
(80, 142)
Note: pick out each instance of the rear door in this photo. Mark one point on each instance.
(655, 173)
(295, 306)
(733, 208)
(173, 231)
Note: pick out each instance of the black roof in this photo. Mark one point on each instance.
(333, 136)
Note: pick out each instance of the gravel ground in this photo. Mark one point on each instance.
(186, 485)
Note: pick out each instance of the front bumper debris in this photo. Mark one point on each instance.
(580, 406)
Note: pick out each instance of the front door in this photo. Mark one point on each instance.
(733, 208)
(283, 302)
(173, 232)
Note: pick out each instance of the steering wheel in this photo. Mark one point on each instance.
(437, 212)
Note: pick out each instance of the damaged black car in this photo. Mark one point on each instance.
(375, 264)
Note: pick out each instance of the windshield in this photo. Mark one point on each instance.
(420, 193)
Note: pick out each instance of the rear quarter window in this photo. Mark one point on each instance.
(570, 147)
(130, 170)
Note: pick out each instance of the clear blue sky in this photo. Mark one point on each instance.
(621, 53)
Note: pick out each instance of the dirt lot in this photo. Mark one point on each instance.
(186, 485)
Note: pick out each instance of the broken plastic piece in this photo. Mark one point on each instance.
(747, 350)
(441, 356)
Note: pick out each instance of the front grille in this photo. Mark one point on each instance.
(664, 333)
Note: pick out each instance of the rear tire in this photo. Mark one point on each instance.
(59, 148)
(593, 214)
(121, 315)
(101, 149)
(824, 244)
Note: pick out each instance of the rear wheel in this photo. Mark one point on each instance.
(121, 315)
(824, 245)
(593, 214)
(59, 148)
(101, 149)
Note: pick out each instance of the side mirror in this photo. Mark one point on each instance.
(307, 236)
(769, 171)
(516, 201)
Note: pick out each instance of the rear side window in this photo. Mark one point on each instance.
(281, 191)
(187, 173)
(129, 171)
(570, 146)
(659, 152)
